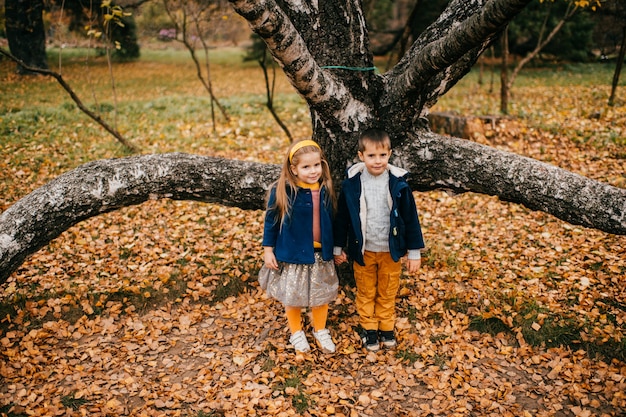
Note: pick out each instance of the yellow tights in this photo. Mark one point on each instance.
(319, 316)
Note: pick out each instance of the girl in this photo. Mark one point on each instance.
(299, 268)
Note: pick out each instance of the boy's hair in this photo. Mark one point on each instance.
(377, 137)
(286, 185)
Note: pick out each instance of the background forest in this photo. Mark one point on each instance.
(155, 310)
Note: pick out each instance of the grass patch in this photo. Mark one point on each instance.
(71, 402)
(438, 337)
(6, 410)
(543, 328)
(147, 298)
(20, 306)
(439, 256)
(408, 356)
(491, 325)
(302, 402)
(227, 286)
(266, 358)
(411, 313)
(209, 414)
(440, 361)
(456, 304)
(295, 376)
(292, 386)
(608, 350)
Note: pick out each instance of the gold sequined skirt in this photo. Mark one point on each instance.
(301, 285)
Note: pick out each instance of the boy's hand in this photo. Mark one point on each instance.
(413, 265)
(270, 258)
(339, 259)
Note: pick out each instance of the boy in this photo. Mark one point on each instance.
(377, 217)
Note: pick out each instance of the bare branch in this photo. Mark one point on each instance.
(269, 90)
(423, 62)
(128, 145)
(183, 29)
(541, 43)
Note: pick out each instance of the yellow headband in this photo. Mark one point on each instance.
(300, 145)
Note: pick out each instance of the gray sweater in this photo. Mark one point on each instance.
(378, 206)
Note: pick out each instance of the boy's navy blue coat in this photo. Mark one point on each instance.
(405, 231)
(294, 242)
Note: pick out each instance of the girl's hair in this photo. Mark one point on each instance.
(287, 183)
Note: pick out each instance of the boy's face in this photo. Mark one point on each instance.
(375, 157)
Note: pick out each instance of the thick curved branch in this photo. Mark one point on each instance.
(106, 185)
(269, 21)
(437, 162)
(423, 62)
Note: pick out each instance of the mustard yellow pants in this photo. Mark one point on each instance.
(377, 285)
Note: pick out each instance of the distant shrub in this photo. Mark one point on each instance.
(167, 35)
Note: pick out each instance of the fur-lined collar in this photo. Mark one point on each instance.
(359, 167)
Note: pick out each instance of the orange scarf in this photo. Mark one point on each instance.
(317, 230)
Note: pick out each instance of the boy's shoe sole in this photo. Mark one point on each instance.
(389, 344)
(370, 340)
(387, 339)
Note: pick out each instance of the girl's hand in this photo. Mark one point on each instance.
(270, 258)
(413, 265)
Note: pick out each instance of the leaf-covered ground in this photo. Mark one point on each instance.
(154, 310)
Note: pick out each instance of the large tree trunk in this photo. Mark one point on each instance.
(323, 49)
(26, 33)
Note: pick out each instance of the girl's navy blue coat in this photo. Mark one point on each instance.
(405, 231)
(293, 243)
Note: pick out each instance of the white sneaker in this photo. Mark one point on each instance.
(325, 341)
(299, 342)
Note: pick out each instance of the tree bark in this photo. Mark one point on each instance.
(323, 49)
(26, 33)
(461, 166)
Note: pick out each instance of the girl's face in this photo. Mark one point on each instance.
(309, 168)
